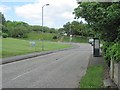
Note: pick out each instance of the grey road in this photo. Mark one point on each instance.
(62, 69)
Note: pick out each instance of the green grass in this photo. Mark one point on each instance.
(49, 37)
(93, 77)
(37, 36)
(76, 39)
(13, 47)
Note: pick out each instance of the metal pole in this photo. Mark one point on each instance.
(42, 31)
(70, 33)
(42, 27)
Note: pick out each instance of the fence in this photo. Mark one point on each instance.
(115, 72)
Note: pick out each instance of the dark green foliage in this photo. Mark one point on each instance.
(76, 28)
(54, 37)
(2, 23)
(2, 19)
(21, 29)
(103, 17)
(106, 51)
(17, 29)
(4, 35)
(111, 50)
(115, 52)
(0, 33)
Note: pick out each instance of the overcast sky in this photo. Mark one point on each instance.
(56, 15)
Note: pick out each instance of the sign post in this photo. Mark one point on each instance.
(96, 47)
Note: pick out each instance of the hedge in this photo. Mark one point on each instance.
(111, 50)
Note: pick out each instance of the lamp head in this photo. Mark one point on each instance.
(47, 4)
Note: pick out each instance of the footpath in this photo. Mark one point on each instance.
(107, 82)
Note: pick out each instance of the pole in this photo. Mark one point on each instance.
(70, 33)
(42, 27)
(42, 31)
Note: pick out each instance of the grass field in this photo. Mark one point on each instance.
(37, 36)
(13, 47)
(49, 37)
(93, 77)
(76, 39)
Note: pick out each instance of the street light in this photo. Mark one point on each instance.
(42, 27)
(70, 32)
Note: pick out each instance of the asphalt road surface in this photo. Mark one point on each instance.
(62, 69)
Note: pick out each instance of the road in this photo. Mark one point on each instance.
(62, 69)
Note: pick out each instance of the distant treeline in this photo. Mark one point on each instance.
(21, 29)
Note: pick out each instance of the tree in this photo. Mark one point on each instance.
(20, 29)
(66, 28)
(76, 28)
(3, 23)
(17, 29)
(2, 19)
(103, 17)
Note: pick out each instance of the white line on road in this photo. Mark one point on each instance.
(21, 75)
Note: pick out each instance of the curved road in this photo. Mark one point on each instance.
(62, 69)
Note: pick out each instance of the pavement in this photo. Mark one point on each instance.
(62, 69)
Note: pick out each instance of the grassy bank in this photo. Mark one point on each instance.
(37, 36)
(49, 37)
(93, 77)
(76, 39)
(13, 47)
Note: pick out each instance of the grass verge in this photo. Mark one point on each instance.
(93, 77)
(13, 47)
(37, 36)
(76, 39)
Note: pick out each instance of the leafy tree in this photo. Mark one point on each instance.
(17, 29)
(21, 29)
(77, 28)
(2, 23)
(103, 17)
(67, 27)
(2, 19)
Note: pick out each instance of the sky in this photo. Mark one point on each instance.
(55, 15)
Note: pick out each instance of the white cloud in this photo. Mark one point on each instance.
(67, 15)
(4, 8)
(59, 11)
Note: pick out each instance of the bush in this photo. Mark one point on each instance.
(106, 51)
(54, 37)
(0, 33)
(4, 35)
(115, 52)
(111, 50)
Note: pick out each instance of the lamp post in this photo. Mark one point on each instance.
(70, 33)
(42, 27)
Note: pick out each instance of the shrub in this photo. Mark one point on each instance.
(106, 51)
(115, 52)
(0, 33)
(54, 37)
(111, 50)
(4, 35)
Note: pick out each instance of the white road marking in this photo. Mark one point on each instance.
(21, 75)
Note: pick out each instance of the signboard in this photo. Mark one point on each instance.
(32, 43)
